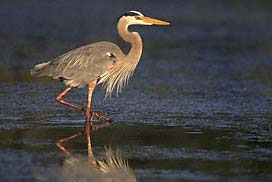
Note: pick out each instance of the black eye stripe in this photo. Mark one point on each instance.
(131, 14)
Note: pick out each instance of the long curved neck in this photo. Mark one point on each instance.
(133, 38)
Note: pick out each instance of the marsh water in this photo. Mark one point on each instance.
(198, 108)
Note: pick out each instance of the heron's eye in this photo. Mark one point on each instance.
(137, 17)
(111, 55)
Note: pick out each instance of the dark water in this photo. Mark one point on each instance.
(198, 108)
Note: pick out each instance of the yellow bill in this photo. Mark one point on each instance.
(154, 21)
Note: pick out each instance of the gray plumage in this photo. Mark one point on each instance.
(101, 61)
(79, 67)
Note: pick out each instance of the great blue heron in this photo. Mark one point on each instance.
(98, 63)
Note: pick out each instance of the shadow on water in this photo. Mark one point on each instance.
(198, 107)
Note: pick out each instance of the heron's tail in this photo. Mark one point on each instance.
(42, 69)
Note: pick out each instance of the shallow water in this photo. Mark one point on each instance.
(198, 108)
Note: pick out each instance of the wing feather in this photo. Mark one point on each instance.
(85, 64)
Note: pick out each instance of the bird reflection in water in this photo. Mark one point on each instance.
(112, 168)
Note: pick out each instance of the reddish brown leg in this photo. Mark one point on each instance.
(59, 143)
(59, 99)
(89, 117)
(98, 116)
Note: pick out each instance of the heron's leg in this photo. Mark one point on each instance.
(98, 116)
(89, 117)
(59, 143)
(59, 99)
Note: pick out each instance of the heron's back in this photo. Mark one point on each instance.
(80, 66)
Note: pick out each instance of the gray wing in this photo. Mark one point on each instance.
(80, 66)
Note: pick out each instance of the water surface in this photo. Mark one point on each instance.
(198, 107)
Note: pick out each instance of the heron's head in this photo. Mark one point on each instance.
(137, 18)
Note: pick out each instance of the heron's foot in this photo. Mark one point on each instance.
(101, 117)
